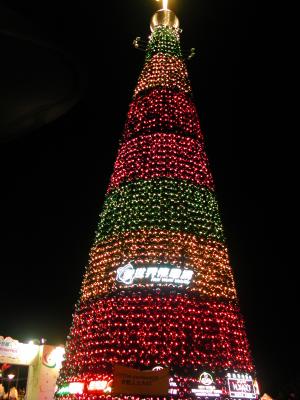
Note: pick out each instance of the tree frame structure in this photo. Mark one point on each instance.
(159, 289)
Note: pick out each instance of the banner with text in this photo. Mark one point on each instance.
(131, 381)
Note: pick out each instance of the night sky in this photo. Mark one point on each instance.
(54, 179)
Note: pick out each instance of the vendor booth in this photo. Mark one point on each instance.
(43, 361)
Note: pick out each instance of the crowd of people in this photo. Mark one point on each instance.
(13, 393)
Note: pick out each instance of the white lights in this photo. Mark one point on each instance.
(239, 376)
(71, 388)
(99, 386)
(76, 387)
(128, 274)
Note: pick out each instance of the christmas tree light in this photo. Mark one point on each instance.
(159, 289)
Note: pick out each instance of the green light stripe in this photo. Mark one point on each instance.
(164, 40)
(164, 204)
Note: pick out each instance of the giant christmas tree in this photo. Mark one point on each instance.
(159, 289)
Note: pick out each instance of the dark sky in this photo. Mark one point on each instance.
(53, 179)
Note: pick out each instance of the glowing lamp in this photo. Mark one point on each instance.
(164, 18)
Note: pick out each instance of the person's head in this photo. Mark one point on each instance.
(13, 393)
(2, 391)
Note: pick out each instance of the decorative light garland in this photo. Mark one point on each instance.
(163, 111)
(164, 71)
(164, 40)
(163, 204)
(160, 210)
(162, 156)
(207, 258)
(144, 330)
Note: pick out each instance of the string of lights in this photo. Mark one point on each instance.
(158, 289)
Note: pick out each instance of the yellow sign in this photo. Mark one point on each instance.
(131, 381)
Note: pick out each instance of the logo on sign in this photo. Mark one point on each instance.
(158, 368)
(128, 274)
(206, 379)
(206, 387)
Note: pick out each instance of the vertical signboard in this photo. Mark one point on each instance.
(241, 386)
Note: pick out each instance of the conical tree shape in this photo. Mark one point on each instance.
(158, 289)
